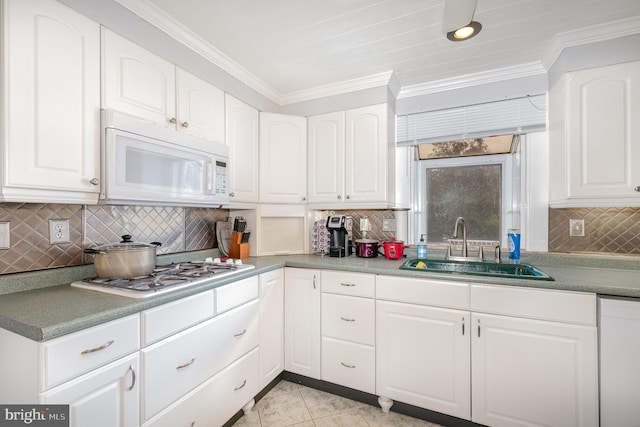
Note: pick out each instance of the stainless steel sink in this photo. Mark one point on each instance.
(492, 269)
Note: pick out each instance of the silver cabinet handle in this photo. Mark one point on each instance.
(347, 319)
(94, 181)
(232, 194)
(478, 328)
(185, 124)
(314, 281)
(637, 189)
(173, 120)
(240, 387)
(347, 284)
(463, 321)
(241, 333)
(189, 363)
(133, 378)
(304, 199)
(348, 197)
(339, 197)
(193, 424)
(348, 366)
(102, 347)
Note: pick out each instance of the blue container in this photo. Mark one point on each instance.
(513, 239)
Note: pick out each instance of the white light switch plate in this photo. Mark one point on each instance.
(5, 235)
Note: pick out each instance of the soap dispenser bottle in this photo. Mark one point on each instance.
(422, 247)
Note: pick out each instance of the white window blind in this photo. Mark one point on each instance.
(519, 115)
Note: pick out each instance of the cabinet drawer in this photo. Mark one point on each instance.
(178, 364)
(349, 364)
(236, 294)
(349, 318)
(542, 304)
(82, 351)
(344, 283)
(167, 319)
(437, 293)
(218, 399)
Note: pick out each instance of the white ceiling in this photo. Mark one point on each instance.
(292, 46)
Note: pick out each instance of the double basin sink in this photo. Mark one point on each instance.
(491, 269)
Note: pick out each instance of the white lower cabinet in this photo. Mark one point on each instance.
(423, 354)
(533, 373)
(217, 400)
(271, 326)
(106, 397)
(175, 366)
(302, 321)
(498, 355)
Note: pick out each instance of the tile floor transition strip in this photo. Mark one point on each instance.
(291, 404)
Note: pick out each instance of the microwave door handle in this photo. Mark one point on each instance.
(209, 176)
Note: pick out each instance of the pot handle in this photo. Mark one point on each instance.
(156, 244)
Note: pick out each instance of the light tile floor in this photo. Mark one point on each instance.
(291, 404)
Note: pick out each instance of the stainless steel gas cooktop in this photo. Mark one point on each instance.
(166, 278)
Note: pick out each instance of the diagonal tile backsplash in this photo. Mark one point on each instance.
(178, 229)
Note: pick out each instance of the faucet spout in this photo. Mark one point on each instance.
(461, 222)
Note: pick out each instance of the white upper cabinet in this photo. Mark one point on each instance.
(326, 158)
(242, 139)
(50, 103)
(351, 158)
(283, 158)
(200, 107)
(140, 83)
(594, 160)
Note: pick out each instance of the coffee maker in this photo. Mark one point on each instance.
(339, 237)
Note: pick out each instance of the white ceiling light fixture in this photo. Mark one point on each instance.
(457, 22)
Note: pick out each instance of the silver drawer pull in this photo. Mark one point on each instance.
(189, 363)
(241, 333)
(102, 347)
(133, 378)
(348, 366)
(242, 386)
(348, 284)
(346, 319)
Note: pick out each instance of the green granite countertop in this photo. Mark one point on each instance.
(46, 306)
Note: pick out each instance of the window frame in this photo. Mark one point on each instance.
(510, 214)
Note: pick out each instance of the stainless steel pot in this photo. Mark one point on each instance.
(124, 260)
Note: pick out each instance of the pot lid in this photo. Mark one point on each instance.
(366, 241)
(127, 245)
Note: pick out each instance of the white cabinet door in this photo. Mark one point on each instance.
(422, 357)
(271, 326)
(51, 103)
(242, 139)
(302, 321)
(106, 397)
(137, 82)
(603, 125)
(533, 373)
(326, 158)
(200, 107)
(283, 158)
(366, 170)
(593, 125)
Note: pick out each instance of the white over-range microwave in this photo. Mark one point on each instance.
(146, 163)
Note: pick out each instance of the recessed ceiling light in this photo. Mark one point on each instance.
(465, 32)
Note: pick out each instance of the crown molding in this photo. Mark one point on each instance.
(593, 34)
(339, 88)
(156, 17)
(474, 79)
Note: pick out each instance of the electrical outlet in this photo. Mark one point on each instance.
(5, 235)
(388, 224)
(59, 231)
(348, 224)
(576, 227)
(364, 224)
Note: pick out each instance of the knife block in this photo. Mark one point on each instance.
(237, 249)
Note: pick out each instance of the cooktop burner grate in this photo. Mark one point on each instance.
(164, 278)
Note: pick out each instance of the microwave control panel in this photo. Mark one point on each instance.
(221, 177)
